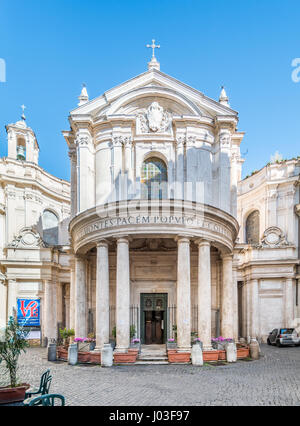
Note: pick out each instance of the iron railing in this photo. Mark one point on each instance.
(171, 320)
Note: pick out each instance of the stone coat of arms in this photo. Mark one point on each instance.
(154, 119)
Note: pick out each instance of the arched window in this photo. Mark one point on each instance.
(154, 179)
(50, 227)
(252, 228)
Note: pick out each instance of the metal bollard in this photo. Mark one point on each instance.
(52, 352)
(73, 354)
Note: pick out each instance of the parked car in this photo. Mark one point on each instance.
(283, 337)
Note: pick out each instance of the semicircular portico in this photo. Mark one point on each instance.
(165, 219)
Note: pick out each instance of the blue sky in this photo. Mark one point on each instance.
(51, 47)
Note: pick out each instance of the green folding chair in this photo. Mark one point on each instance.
(43, 388)
(48, 400)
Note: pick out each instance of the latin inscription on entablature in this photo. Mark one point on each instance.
(185, 221)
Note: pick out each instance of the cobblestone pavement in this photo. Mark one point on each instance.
(272, 380)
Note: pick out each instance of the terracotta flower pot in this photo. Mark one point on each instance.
(210, 355)
(83, 356)
(222, 355)
(62, 353)
(125, 358)
(95, 357)
(174, 356)
(10, 395)
(243, 353)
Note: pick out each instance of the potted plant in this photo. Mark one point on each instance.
(11, 345)
(132, 331)
(71, 335)
(64, 337)
(136, 344)
(82, 344)
(220, 342)
(67, 336)
(171, 344)
(91, 340)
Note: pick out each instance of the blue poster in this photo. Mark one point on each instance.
(28, 312)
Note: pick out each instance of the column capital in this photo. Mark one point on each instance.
(182, 239)
(227, 256)
(103, 243)
(123, 239)
(202, 242)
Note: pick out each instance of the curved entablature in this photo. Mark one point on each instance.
(161, 219)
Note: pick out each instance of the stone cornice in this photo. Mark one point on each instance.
(33, 182)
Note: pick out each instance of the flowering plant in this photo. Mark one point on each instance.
(197, 339)
(135, 341)
(79, 339)
(220, 342)
(171, 340)
(222, 339)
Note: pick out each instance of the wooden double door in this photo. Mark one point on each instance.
(154, 318)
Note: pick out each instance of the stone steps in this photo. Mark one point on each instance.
(155, 362)
(152, 358)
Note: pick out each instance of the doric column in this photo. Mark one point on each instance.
(226, 302)
(11, 297)
(123, 295)
(67, 305)
(49, 317)
(289, 303)
(3, 301)
(183, 295)
(254, 313)
(204, 293)
(102, 295)
(72, 293)
(80, 297)
(59, 303)
(235, 304)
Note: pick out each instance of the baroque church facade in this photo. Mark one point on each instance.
(156, 235)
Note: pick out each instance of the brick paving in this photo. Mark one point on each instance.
(272, 380)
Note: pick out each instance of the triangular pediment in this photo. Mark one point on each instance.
(152, 86)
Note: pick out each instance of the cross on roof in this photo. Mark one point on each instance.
(153, 46)
(23, 109)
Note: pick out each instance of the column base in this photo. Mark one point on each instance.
(120, 350)
(184, 349)
(208, 348)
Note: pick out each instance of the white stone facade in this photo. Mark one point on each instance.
(267, 271)
(157, 213)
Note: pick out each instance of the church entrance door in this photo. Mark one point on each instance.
(153, 318)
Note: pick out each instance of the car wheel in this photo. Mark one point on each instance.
(268, 342)
(278, 344)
